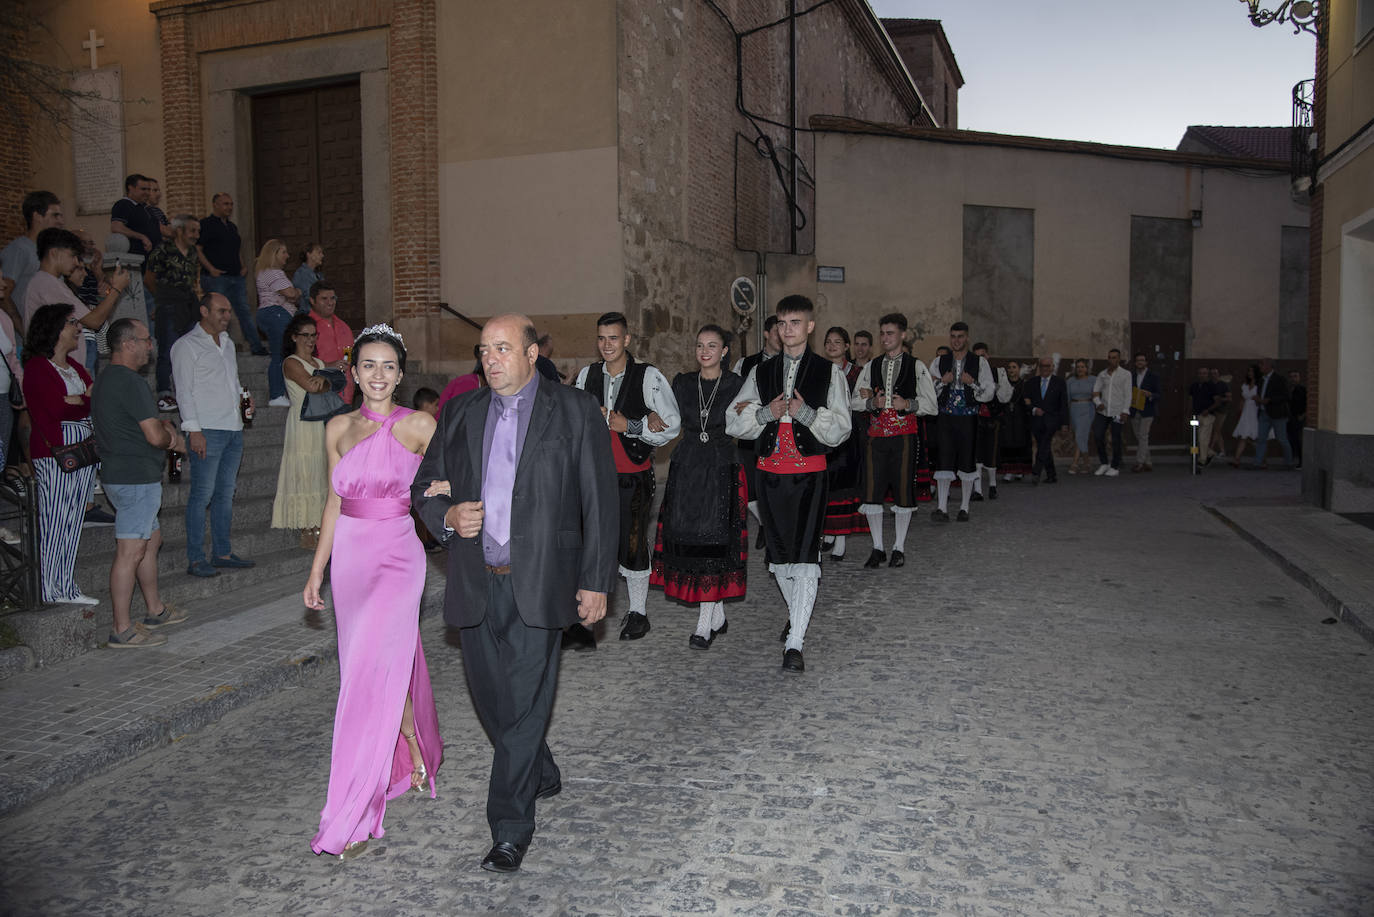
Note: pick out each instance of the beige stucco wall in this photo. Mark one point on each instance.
(527, 157)
(130, 35)
(890, 211)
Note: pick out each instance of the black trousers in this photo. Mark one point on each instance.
(1100, 424)
(1043, 431)
(793, 510)
(1295, 438)
(636, 504)
(512, 672)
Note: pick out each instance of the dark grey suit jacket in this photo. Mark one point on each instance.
(565, 509)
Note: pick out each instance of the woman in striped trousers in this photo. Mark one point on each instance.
(57, 390)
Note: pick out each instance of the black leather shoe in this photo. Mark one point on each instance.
(837, 557)
(875, 560)
(976, 498)
(792, 661)
(698, 642)
(939, 516)
(758, 539)
(724, 626)
(992, 492)
(898, 559)
(786, 630)
(504, 857)
(963, 515)
(551, 790)
(636, 626)
(579, 637)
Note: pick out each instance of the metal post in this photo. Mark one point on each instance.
(1193, 425)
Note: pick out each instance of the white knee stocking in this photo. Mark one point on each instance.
(837, 549)
(942, 493)
(966, 492)
(873, 512)
(637, 581)
(704, 619)
(803, 600)
(903, 518)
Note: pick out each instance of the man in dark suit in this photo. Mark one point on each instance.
(530, 522)
(1048, 399)
(1144, 386)
(1272, 399)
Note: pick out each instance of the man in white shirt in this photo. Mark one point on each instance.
(205, 369)
(1112, 398)
(796, 409)
(641, 414)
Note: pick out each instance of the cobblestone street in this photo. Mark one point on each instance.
(1094, 699)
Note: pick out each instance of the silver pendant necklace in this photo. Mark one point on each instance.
(705, 404)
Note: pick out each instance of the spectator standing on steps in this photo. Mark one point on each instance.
(222, 269)
(132, 441)
(172, 272)
(277, 300)
(335, 342)
(19, 260)
(205, 367)
(308, 273)
(1112, 400)
(59, 257)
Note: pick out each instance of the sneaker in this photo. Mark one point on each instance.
(97, 516)
(281, 401)
(170, 615)
(167, 404)
(1102, 469)
(1113, 472)
(79, 598)
(134, 638)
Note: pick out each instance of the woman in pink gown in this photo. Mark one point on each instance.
(386, 729)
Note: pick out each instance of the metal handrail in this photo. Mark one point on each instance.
(19, 573)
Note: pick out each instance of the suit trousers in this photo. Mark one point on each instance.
(512, 672)
(1043, 429)
(1279, 427)
(1140, 426)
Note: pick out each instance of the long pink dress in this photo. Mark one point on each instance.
(378, 575)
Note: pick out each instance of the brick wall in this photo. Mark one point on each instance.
(693, 190)
(189, 29)
(15, 164)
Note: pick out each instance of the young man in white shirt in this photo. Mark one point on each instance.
(1112, 398)
(641, 414)
(205, 369)
(796, 409)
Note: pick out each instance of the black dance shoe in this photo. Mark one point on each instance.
(636, 626)
(963, 515)
(992, 492)
(976, 498)
(504, 857)
(698, 642)
(939, 516)
(898, 559)
(792, 662)
(875, 560)
(724, 626)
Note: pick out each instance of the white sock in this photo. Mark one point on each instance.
(782, 574)
(799, 609)
(704, 620)
(717, 615)
(978, 479)
(837, 549)
(942, 494)
(638, 583)
(874, 515)
(903, 514)
(992, 477)
(966, 492)
(754, 511)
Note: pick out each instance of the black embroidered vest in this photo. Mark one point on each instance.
(813, 382)
(971, 366)
(628, 401)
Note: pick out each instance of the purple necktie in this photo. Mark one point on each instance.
(500, 476)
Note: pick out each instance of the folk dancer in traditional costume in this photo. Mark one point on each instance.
(989, 429)
(702, 547)
(797, 408)
(963, 381)
(772, 346)
(895, 390)
(1014, 432)
(844, 466)
(641, 414)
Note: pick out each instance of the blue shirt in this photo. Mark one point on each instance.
(498, 555)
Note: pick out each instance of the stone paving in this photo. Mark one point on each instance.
(1094, 699)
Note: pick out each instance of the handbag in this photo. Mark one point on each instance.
(16, 393)
(77, 455)
(326, 404)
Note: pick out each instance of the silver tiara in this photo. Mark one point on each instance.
(383, 328)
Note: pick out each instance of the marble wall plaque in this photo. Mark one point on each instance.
(98, 138)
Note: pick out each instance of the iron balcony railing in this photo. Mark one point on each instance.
(1304, 158)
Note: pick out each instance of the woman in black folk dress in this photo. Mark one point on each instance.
(701, 549)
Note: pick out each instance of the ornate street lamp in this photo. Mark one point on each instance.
(1302, 15)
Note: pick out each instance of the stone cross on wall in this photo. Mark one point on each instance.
(92, 44)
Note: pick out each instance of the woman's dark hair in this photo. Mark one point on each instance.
(718, 331)
(310, 247)
(380, 337)
(1252, 373)
(45, 328)
(293, 328)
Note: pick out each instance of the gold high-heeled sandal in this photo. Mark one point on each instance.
(352, 850)
(418, 775)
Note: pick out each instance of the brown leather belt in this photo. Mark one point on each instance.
(499, 571)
